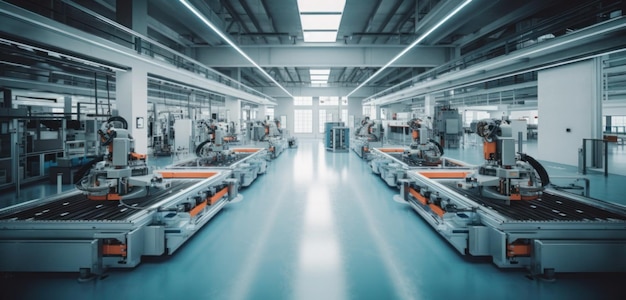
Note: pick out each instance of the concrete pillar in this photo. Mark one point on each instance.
(376, 115)
(67, 107)
(233, 111)
(133, 14)
(429, 105)
(190, 110)
(131, 90)
(262, 112)
(570, 109)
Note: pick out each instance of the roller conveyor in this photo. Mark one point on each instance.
(549, 207)
(79, 208)
(245, 163)
(207, 162)
(412, 163)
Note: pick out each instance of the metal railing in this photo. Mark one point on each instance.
(84, 19)
(598, 160)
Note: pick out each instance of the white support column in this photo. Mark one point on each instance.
(261, 112)
(233, 109)
(131, 90)
(429, 105)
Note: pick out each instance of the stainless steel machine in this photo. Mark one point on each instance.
(369, 131)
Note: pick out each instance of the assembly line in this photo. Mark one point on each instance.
(122, 209)
(504, 209)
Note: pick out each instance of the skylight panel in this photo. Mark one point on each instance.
(320, 21)
(321, 5)
(320, 36)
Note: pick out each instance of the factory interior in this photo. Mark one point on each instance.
(313, 149)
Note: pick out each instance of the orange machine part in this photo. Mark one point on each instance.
(415, 134)
(518, 197)
(114, 250)
(196, 210)
(218, 196)
(137, 156)
(489, 149)
(187, 174)
(517, 250)
(436, 209)
(418, 196)
(245, 150)
(112, 197)
(444, 175)
(391, 150)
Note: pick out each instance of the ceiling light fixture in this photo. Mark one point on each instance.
(320, 19)
(208, 23)
(421, 38)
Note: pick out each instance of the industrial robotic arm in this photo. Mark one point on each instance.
(505, 176)
(423, 149)
(120, 173)
(214, 147)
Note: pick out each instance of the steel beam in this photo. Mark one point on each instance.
(323, 56)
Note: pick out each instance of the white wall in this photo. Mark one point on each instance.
(567, 99)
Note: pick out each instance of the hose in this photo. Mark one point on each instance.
(438, 145)
(543, 174)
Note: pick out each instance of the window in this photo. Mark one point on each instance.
(302, 101)
(472, 115)
(322, 120)
(344, 116)
(370, 111)
(326, 101)
(269, 112)
(303, 121)
(324, 116)
(618, 124)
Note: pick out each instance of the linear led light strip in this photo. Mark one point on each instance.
(231, 43)
(421, 38)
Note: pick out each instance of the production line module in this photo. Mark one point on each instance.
(71, 233)
(556, 232)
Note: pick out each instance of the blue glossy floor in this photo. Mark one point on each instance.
(318, 225)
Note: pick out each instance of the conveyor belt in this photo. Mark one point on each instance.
(412, 163)
(207, 162)
(79, 208)
(549, 207)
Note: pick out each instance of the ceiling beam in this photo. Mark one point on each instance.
(252, 18)
(390, 15)
(270, 18)
(289, 74)
(407, 15)
(233, 13)
(323, 56)
(368, 24)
